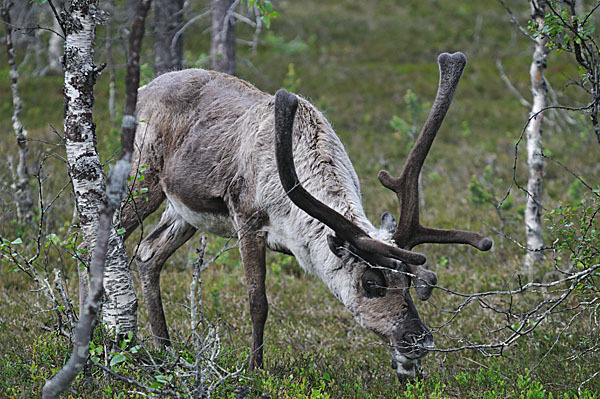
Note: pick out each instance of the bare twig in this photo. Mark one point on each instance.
(181, 30)
(516, 21)
(510, 86)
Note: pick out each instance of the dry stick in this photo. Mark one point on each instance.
(64, 297)
(510, 86)
(196, 316)
(116, 190)
(22, 193)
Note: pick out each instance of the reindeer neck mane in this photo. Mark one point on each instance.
(323, 164)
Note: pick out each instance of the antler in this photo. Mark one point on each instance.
(286, 105)
(409, 231)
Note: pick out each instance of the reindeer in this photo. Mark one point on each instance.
(235, 161)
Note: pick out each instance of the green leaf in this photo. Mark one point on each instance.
(17, 241)
(161, 379)
(121, 231)
(266, 21)
(118, 358)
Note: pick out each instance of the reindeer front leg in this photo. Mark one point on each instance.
(170, 233)
(253, 250)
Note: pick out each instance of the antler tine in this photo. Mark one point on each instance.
(286, 105)
(451, 68)
(443, 236)
(409, 231)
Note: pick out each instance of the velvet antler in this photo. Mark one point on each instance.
(409, 231)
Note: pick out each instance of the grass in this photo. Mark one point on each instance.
(356, 61)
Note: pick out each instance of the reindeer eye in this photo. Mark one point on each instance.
(374, 283)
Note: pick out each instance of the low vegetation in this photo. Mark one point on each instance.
(370, 66)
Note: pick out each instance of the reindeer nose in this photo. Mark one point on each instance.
(428, 342)
(418, 344)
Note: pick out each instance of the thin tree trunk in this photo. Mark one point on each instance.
(117, 186)
(222, 45)
(533, 210)
(168, 18)
(22, 192)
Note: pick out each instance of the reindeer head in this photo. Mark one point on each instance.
(382, 269)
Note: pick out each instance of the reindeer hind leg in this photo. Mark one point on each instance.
(253, 251)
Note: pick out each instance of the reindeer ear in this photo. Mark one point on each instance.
(425, 282)
(336, 244)
(388, 222)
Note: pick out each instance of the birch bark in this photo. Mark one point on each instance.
(85, 169)
(21, 185)
(535, 162)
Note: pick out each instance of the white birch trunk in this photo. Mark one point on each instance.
(85, 169)
(535, 162)
(120, 306)
(21, 184)
(84, 164)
